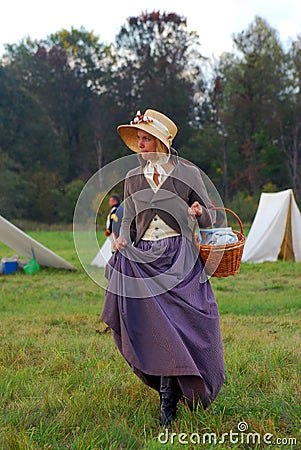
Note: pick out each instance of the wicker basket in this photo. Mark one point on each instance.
(223, 260)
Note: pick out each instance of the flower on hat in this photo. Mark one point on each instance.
(140, 118)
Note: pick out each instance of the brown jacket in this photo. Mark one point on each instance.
(182, 187)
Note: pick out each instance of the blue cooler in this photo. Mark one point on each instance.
(9, 267)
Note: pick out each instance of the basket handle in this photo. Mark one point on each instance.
(218, 208)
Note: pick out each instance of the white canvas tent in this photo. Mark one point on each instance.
(24, 245)
(276, 230)
(104, 254)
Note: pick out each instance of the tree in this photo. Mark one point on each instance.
(51, 112)
(67, 73)
(158, 67)
(288, 117)
(28, 144)
(264, 61)
(254, 82)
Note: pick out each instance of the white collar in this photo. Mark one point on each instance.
(150, 167)
(160, 161)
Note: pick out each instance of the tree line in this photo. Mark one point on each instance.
(61, 98)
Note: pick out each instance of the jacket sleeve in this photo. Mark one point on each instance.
(199, 193)
(111, 222)
(116, 217)
(128, 224)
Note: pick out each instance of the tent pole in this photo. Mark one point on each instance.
(287, 231)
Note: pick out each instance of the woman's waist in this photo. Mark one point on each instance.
(158, 229)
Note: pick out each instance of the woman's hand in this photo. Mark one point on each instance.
(120, 244)
(195, 209)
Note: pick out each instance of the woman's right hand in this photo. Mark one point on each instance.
(195, 209)
(120, 243)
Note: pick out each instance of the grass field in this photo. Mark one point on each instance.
(65, 386)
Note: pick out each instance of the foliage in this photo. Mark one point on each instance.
(244, 98)
(62, 97)
(13, 185)
(160, 66)
(245, 206)
(67, 198)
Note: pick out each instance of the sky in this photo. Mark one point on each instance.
(215, 21)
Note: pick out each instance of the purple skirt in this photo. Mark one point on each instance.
(164, 318)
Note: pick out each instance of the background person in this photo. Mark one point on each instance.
(159, 303)
(114, 219)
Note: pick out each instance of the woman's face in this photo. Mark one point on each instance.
(146, 145)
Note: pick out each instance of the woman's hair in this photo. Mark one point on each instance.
(160, 147)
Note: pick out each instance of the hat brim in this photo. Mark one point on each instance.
(128, 134)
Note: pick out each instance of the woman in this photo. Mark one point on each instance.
(159, 303)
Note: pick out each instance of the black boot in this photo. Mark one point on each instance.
(169, 397)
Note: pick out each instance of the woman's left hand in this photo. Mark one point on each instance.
(120, 244)
(195, 209)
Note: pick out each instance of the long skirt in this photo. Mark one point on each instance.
(164, 318)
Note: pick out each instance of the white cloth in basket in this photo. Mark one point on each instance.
(217, 236)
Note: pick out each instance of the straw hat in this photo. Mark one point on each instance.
(154, 123)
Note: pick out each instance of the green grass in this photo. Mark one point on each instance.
(64, 385)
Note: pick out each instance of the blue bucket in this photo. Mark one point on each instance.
(9, 267)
